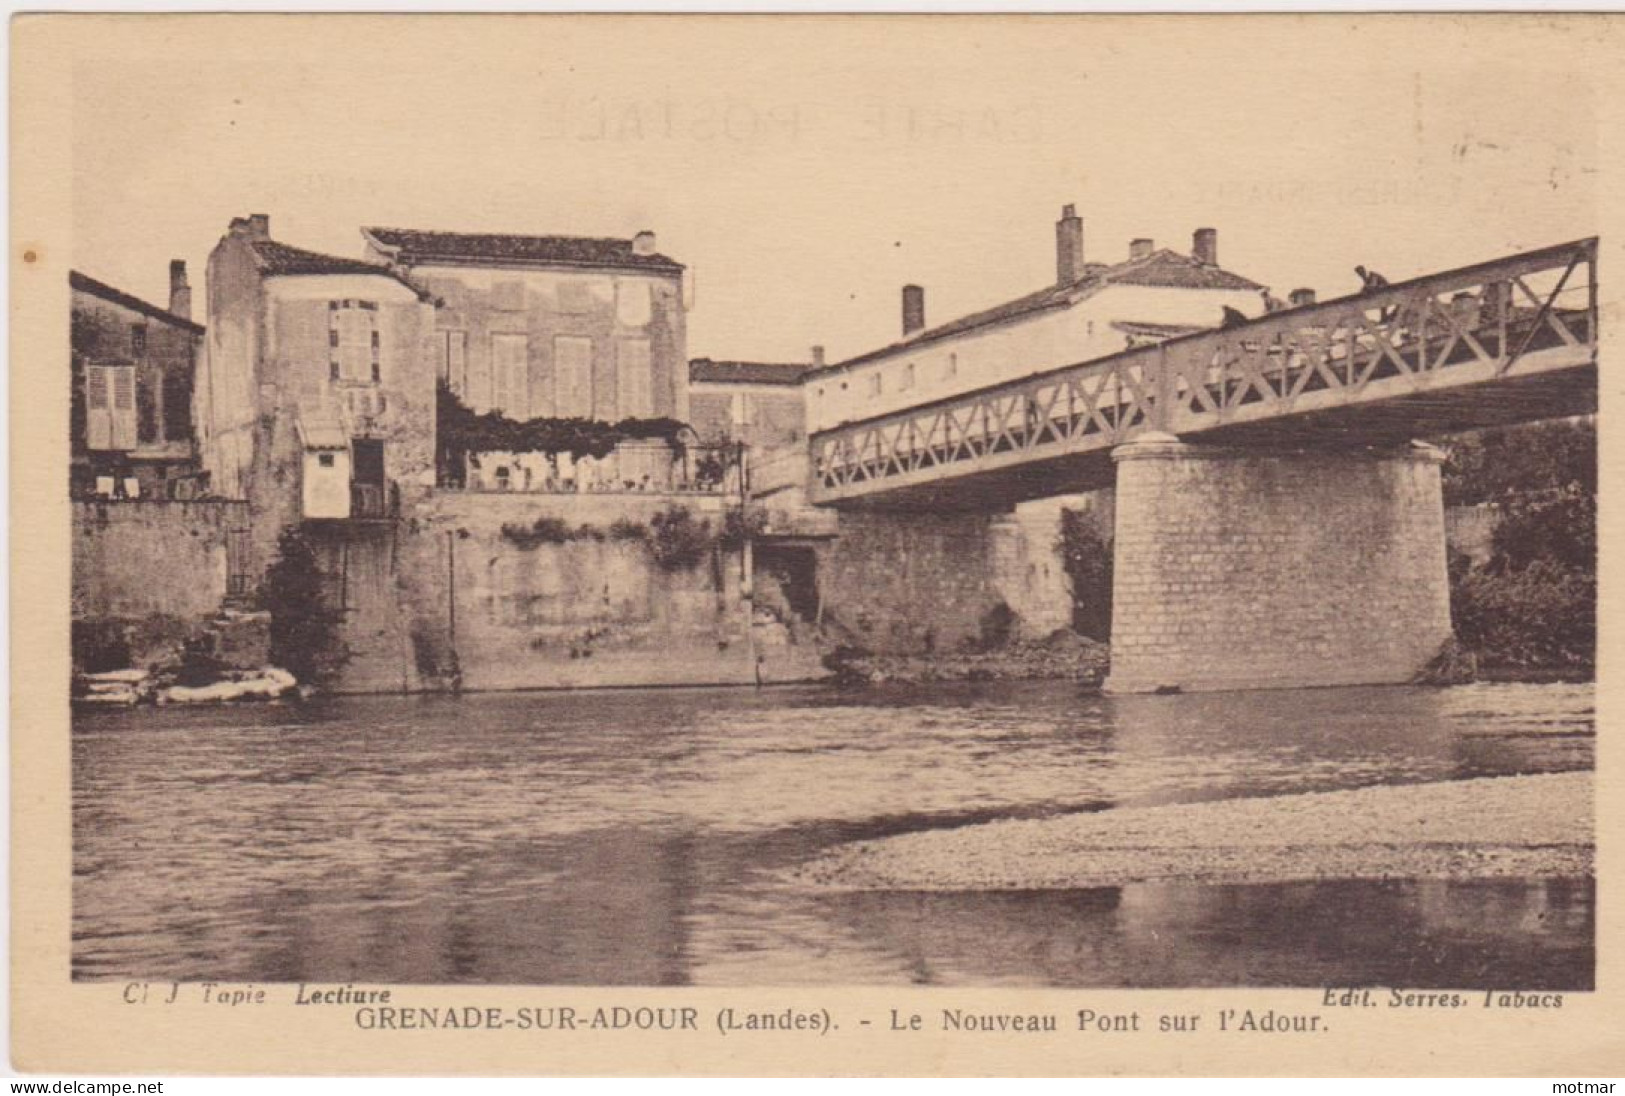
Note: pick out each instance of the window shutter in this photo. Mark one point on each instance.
(124, 417)
(572, 366)
(99, 408)
(510, 387)
(632, 381)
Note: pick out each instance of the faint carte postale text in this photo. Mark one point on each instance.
(749, 121)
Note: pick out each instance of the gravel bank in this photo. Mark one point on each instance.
(1469, 829)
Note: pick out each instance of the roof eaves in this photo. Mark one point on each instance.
(96, 288)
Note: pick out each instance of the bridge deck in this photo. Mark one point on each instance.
(1505, 341)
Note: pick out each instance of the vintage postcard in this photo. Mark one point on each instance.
(834, 544)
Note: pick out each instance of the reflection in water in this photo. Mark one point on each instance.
(637, 838)
(1507, 934)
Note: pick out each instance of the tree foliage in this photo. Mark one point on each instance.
(1502, 464)
(1532, 605)
(1086, 556)
(304, 628)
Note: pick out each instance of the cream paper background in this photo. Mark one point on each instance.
(1562, 67)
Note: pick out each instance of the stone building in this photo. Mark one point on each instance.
(554, 327)
(759, 403)
(317, 399)
(133, 367)
(1091, 310)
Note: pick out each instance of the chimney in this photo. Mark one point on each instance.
(1140, 249)
(255, 225)
(913, 309)
(1068, 246)
(818, 357)
(1301, 297)
(643, 243)
(180, 291)
(1205, 246)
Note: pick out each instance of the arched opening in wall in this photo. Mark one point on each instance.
(787, 580)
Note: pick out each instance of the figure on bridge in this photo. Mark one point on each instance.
(1371, 282)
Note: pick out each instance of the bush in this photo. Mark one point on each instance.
(544, 530)
(627, 529)
(1539, 616)
(1086, 556)
(678, 540)
(304, 627)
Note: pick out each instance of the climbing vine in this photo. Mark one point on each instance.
(460, 430)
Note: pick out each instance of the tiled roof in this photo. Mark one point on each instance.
(275, 257)
(704, 370)
(501, 249)
(1160, 268)
(86, 284)
(1169, 268)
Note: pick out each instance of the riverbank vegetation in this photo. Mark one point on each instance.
(1530, 607)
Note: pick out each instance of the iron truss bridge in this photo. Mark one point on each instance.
(1510, 340)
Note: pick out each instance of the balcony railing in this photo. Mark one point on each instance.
(374, 501)
(631, 469)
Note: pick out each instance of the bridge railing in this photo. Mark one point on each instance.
(1480, 320)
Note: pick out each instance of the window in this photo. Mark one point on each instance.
(325, 460)
(510, 375)
(352, 339)
(177, 406)
(876, 383)
(572, 376)
(632, 303)
(110, 420)
(454, 361)
(908, 377)
(633, 383)
(950, 368)
(138, 340)
(146, 408)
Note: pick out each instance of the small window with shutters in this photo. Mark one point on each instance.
(138, 340)
(353, 342)
(110, 407)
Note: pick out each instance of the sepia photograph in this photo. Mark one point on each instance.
(1020, 502)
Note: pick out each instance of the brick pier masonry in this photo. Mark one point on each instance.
(1240, 569)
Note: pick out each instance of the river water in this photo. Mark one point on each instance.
(639, 838)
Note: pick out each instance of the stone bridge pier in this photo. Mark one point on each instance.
(1242, 569)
